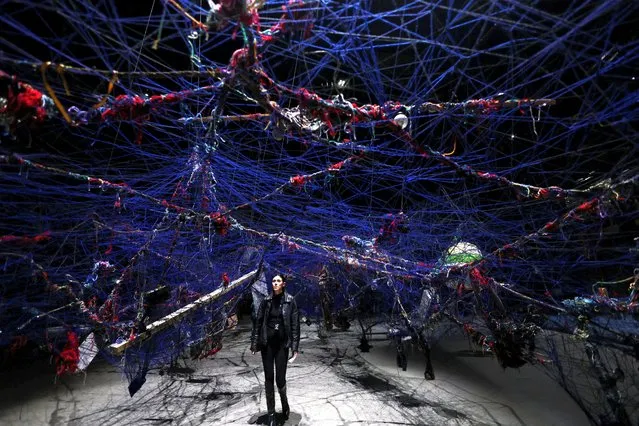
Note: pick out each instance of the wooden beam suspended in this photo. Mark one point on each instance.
(172, 318)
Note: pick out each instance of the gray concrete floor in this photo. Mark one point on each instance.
(330, 383)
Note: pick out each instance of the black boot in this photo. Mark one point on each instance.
(271, 420)
(286, 410)
(270, 405)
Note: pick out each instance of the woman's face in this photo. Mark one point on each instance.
(278, 284)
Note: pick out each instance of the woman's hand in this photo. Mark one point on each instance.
(293, 357)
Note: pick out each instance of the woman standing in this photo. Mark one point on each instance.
(276, 330)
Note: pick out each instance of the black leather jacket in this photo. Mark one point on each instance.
(291, 323)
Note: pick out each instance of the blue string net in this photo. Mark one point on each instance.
(420, 163)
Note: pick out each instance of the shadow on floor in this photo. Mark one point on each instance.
(262, 419)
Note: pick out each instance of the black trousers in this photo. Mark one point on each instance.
(274, 353)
